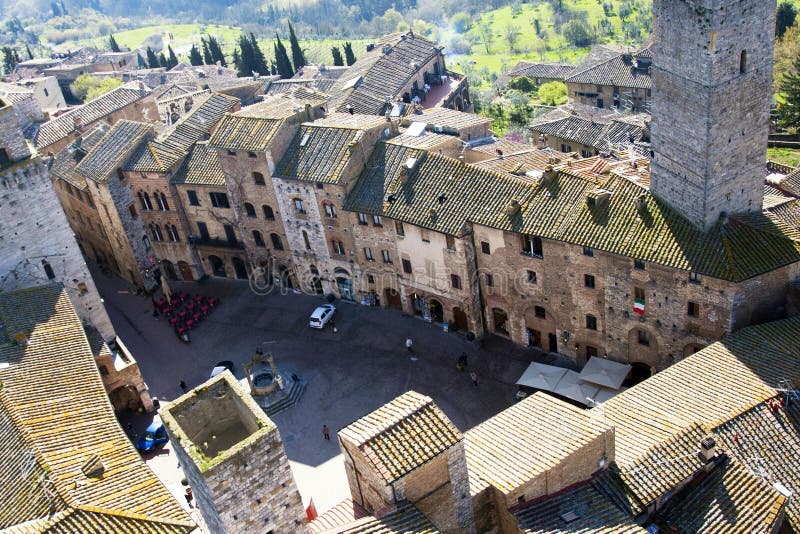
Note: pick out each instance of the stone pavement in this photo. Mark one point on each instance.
(349, 373)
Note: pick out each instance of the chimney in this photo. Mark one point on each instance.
(432, 214)
(309, 115)
(708, 449)
(641, 202)
(350, 109)
(512, 208)
(76, 121)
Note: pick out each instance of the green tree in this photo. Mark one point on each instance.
(207, 58)
(10, 59)
(216, 51)
(259, 61)
(194, 56)
(87, 87)
(298, 58)
(789, 97)
(162, 60)
(461, 22)
(338, 60)
(112, 43)
(282, 59)
(28, 51)
(522, 84)
(553, 93)
(577, 33)
(784, 18)
(104, 87)
(537, 27)
(349, 56)
(152, 59)
(172, 59)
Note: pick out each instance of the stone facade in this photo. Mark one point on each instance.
(234, 460)
(710, 147)
(632, 99)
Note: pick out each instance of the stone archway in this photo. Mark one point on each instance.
(169, 270)
(643, 347)
(437, 311)
(185, 270)
(691, 348)
(125, 398)
(500, 324)
(392, 298)
(217, 266)
(239, 268)
(460, 319)
(639, 373)
(344, 284)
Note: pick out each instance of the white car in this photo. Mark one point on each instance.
(321, 316)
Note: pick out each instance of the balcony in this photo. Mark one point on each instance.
(216, 242)
(450, 91)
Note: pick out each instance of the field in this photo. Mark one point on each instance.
(787, 156)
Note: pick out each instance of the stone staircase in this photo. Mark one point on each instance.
(278, 402)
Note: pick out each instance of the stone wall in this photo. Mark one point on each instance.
(628, 98)
(11, 138)
(710, 148)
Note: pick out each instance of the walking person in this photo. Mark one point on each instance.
(189, 496)
(474, 378)
(333, 325)
(409, 344)
(184, 387)
(326, 434)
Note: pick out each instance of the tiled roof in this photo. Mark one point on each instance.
(360, 121)
(767, 443)
(555, 71)
(113, 149)
(406, 520)
(427, 141)
(56, 129)
(63, 164)
(318, 153)
(242, 132)
(618, 70)
(172, 146)
(287, 86)
(382, 75)
(520, 163)
(741, 248)
(709, 387)
(595, 514)
(729, 499)
(341, 515)
(506, 145)
(601, 130)
(201, 167)
(526, 440)
(449, 119)
(56, 418)
(402, 435)
(791, 183)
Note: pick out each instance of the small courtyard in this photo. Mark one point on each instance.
(347, 373)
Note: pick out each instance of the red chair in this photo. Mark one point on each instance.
(173, 321)
(204, 309)
(182, 296)
(198, 298)
(190, 306)
(197, 317)
(182, 314)
(189, 323)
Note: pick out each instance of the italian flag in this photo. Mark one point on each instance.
(638, 306)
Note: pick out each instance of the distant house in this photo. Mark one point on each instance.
(540, 73)
(610, 77)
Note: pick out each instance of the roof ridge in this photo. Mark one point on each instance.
(592, 66)
(132, 515)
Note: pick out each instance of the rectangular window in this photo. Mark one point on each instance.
(231, 152)
(424, 235)
(588, 251)
(638, 264)
(694, 278)
(251, 154)
(532, 246)
(407, 266)
(202, 229)
(398, 228)
(693, 309)
(377, 220)
(590, 351)
(219, 200)
(485, 248)
(591, 322)
(532, 278)
(643, 337)
(588, 281)
(370, 279)
(451, 242)
(638, 294)
(362, 219)
(387, 256)
(298, 205)
(368, 254)
(132, 210)
(489, 280)
(330, 210)
(193, 200)
(540, 312)
(230, 234)
(338, 247)
(455, 281)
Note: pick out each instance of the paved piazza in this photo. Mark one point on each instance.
(348, 373)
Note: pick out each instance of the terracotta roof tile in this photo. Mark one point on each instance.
(242, 132)
(201, 167)
(318, 153)
(113, 150)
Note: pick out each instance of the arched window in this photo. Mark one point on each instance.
(146, 204)
(258, 238)
(162, 201)
(743, 62)
(155, 230)
(277, 244)
(141, 200)
(146, 242)
(258, 178)
(306, 240)
(173, 233)
(268, 213)
(249, 209)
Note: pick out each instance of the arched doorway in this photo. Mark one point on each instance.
(286, 277)
(393, 299)
(239, 268)
(217, 266)
(639, 373)
(343, 283)
(186, 271)
(500, 321)
(459, 319)
(437, 312)
(125, 398)
(316, 283)
(169, 270)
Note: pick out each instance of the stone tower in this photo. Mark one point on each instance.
(233, 457)
(712, 76)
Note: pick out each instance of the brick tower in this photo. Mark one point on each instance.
(712, 77)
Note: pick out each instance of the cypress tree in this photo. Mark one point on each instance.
(207, 59)
(152, 59)
(338, 60)
(789, 97)
(245, 57)
(298, 58)
(194, 56)
(28, 50)
(259, 61)
(348, 53)
(216, 51)
(282, 59)
(172, 59)
(273, 69)
(112, 43)
(162, 60)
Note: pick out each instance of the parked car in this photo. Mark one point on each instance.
(154, 436)
(221, 367)
(320, 317)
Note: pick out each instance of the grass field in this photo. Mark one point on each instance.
(787, 156)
